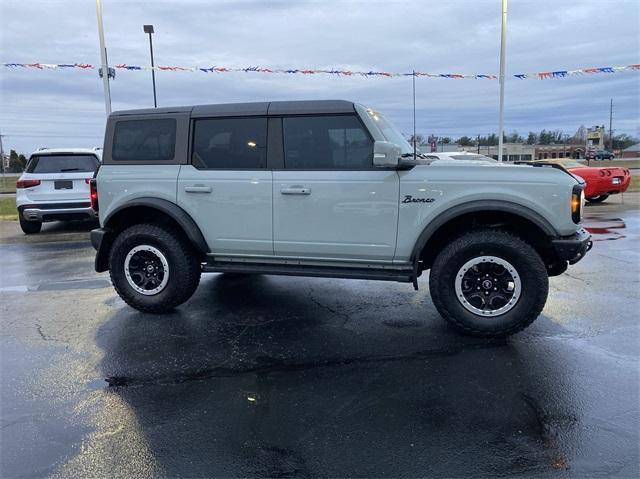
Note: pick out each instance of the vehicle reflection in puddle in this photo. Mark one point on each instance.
(604, 229)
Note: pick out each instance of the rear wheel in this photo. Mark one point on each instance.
(153, 268)
(597, 199)
(30, 227)
(489, 283)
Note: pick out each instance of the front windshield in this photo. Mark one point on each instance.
(473, 156)
(390, 132)
(572, 164)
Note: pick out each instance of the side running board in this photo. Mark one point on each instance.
(402, 276)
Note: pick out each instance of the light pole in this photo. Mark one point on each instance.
(503, 47)
(611, 126)
(149, 29)
(103, 56)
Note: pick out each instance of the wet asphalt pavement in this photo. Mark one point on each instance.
(272, 376)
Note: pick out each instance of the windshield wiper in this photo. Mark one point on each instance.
(64, 170)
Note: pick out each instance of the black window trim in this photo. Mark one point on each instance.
(315, 115)
(182, 128)
(275, 142)
(192, 134)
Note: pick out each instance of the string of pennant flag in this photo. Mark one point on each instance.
(334, 72)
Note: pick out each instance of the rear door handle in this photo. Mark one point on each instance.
(295, 190)
(197, 189)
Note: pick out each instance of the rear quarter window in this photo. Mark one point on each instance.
(144, 140)
(62, 164)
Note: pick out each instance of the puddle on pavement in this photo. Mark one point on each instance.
(606, 229)
(92, 283)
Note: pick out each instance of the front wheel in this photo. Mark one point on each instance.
(153, 268)
(597, 199)
(489, 283)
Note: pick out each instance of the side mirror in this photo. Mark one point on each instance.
(386, 154)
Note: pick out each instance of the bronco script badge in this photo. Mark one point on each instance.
(411, 199)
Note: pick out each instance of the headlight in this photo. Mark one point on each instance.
(577, 203)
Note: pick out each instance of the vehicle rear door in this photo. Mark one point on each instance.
(227, 188)
(329, 201)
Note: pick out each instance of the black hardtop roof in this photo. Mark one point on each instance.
(303, 107)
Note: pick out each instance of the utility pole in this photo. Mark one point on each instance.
(610, 126)
(103, 57)
(503, 47)
(415, 140)
(2, 154)
(478, 142)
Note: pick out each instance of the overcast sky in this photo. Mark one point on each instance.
(66, 107)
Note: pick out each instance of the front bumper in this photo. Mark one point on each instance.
(573, 248)
(56, 211)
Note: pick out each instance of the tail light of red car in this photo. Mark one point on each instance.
(27, 183)
(601, 172)
(93, 194)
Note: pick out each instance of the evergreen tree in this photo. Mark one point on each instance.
(532, 139)
(465, 141)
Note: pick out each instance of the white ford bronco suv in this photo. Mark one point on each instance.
(326, 189)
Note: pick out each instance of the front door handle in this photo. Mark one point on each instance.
(295, 190)
(197, 189)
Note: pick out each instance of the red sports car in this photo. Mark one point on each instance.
(601, 181)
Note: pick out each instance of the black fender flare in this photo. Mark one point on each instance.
(103, 238)
(172, 210)
(480, 206)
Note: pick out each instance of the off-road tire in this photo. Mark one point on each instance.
(183, 261)
(597, 199)
(501, 244)
(30, 227)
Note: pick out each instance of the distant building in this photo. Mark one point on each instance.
(595, 137)
(510, 151)
(440, 147)
(525, 152)
(545, 152)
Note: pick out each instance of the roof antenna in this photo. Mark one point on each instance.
(414, 116)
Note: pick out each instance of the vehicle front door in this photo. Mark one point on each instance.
(329, 201)
(227, 189)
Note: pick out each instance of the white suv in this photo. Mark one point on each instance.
(55, 186)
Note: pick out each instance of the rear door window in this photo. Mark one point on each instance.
(144, 140)
(326, 142)
(62, 164)
(230, 143)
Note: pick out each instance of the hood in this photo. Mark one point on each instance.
(500, 171)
